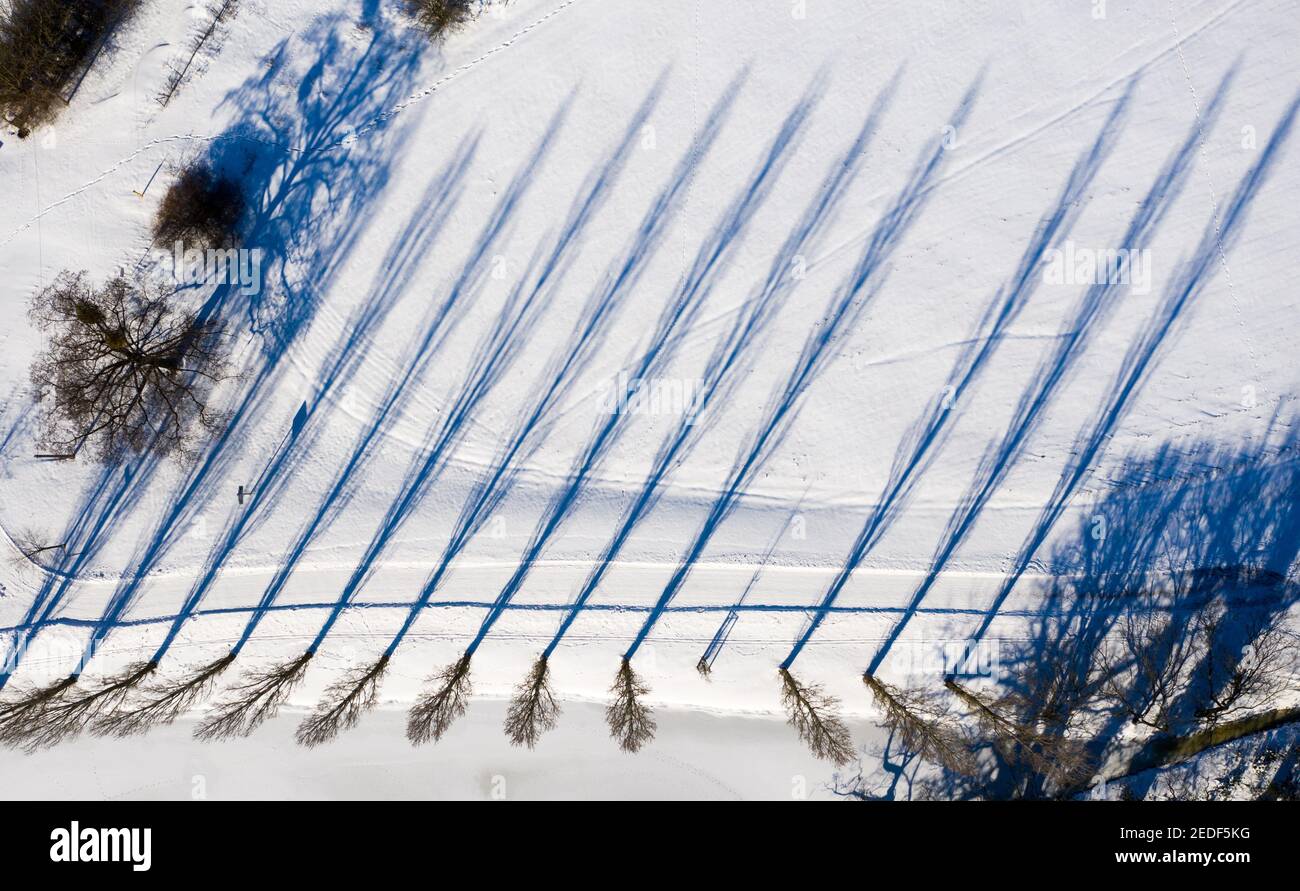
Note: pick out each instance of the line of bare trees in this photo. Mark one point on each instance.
(45, 46)
(206, 40)
(1165, 686)
(131, 364)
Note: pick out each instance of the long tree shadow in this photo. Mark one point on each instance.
(495, 356)
(441, 322)
(1096, 303)
(729, 356)
(433, 713)
(720, 637)
(260, 694)
(408, 248)
(288, 158)
(1219, 235)
(696, 289)
(822, 344)
(928, 434)
(348, 699)
(304, 174)
(109, 498)
(17, 426)
(565, 367)
(629, 718)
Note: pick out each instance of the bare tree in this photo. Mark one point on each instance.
(253, 700)
(22, 711)
(35, 546)
(202, 209)
(1059, 759)
(533, 710)
(812, 713)
(434, 713)
(438, 18)
(1243, 668)
(123, 367)
(161, 702)
(343, 704)
(1238, 665)
(631, 721)
(1144, 670)
(924, 725)
(1175, 670)
(32, 69)
(66, 713)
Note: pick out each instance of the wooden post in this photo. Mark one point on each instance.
(140, 193)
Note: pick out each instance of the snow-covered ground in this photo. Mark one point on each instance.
(697, 759)
(395, 180)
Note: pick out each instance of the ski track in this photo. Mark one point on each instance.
(1214, 196)
(1035, 613)
(961, 171)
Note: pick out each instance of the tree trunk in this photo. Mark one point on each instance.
(1166, 750)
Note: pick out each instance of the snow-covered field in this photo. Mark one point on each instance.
(838, 215)
(697, 758)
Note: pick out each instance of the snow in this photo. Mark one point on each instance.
(696, 760)
(356, 135)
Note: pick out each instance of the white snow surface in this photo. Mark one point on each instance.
(368, 117)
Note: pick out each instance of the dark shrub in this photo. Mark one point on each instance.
(201, 209)
(438, 18)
